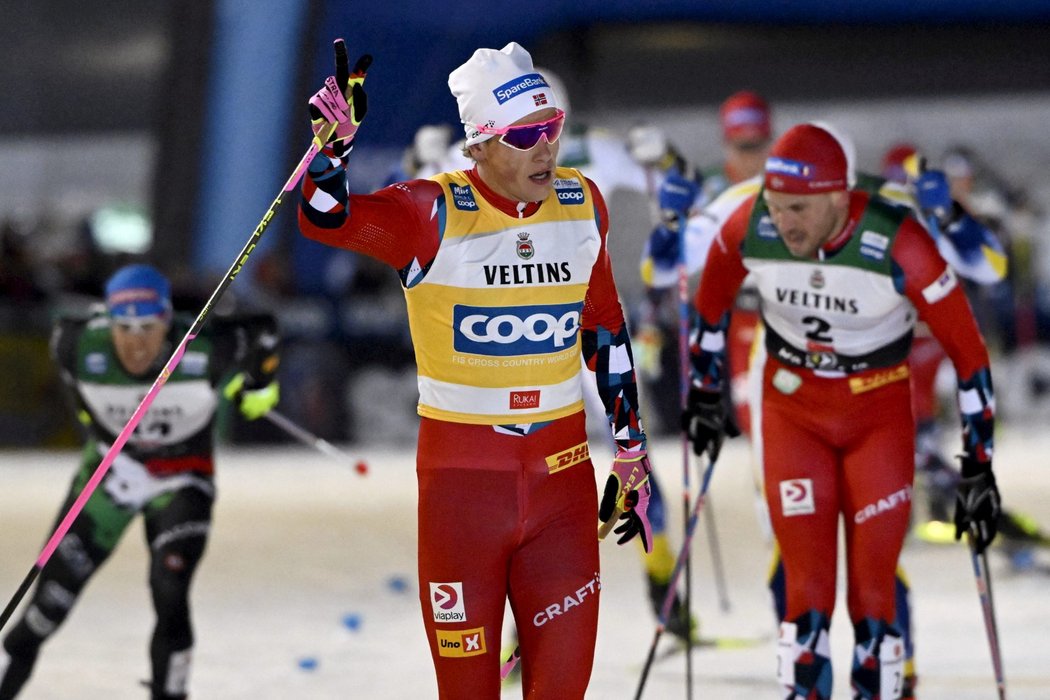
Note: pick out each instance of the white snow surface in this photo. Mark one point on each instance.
(301, 542)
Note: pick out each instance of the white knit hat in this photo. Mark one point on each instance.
(497, 88)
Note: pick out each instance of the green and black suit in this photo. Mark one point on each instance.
(165, 472)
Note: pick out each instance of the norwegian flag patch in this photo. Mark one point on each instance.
(941, 287)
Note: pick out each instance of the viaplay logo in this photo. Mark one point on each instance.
(518, 85)
(796, 497)
(446, 601)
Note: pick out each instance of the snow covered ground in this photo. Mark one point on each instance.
(310, 563)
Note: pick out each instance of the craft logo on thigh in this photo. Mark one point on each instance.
(567, 458)
(446, 601)
(568, 602)
(883, 505)
(461, 643)
(796, 497)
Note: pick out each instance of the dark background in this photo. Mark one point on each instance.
(193, 113)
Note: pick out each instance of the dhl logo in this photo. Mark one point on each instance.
(859, 385)
(567, 458)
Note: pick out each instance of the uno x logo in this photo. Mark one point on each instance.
(461, 643)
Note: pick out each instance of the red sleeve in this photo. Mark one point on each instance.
(932, 286)
(724, 270)
(601, 306)
(395, 224)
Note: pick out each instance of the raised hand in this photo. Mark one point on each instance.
(341, 103)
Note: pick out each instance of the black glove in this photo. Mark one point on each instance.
(707, 421)
(977, 505)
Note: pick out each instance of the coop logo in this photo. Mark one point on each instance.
(515, 330)
(463, 197)
(446, 602)
(569, 190)
(796, 497)
(512, 88)
(461, 643)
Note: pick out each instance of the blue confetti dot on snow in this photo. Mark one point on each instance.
(308, 663)
(397, 584)
(352, 621)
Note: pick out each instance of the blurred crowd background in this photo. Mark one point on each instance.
(161, 130)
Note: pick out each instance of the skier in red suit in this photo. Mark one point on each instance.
(508, 284)
(843, 278)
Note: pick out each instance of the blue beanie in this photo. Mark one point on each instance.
(138, 290)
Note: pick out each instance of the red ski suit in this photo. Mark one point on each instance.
(496, 520)
(838, 439)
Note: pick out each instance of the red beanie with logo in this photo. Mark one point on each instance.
(806, 160)
(745, 117)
